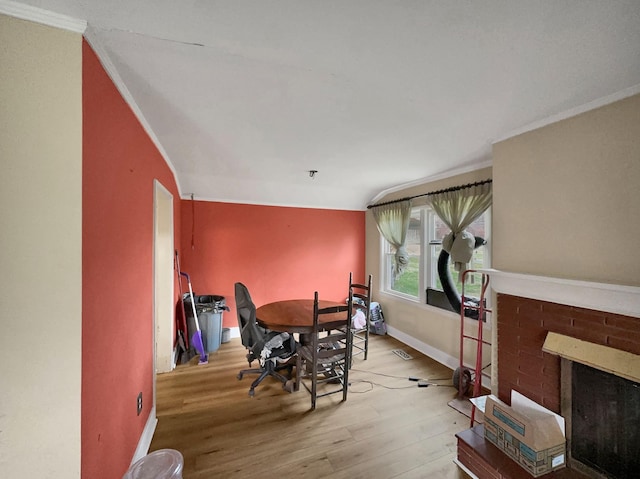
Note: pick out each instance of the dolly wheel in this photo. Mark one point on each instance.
(466, 380)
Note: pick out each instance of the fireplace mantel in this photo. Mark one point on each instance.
(612, 298)
(604, 358)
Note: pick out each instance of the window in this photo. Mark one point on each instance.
(408, 283)
(424, 243)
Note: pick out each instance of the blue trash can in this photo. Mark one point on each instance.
(210, 309)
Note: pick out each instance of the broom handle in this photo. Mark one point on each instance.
(193, 302)
(184, 312)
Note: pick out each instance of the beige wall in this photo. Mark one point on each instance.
(40, 250)
(566, 198)
(431, 330)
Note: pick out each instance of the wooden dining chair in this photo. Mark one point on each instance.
(322, 363)
(361, 297)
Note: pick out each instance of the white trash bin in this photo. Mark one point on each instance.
(226, 335)
(160, 464)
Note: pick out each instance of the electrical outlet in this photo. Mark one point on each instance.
(139, 403)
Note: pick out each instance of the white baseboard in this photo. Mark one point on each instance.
(174, 357)
(424, 348)
(147, 435)
(234, 332)
(428, 350)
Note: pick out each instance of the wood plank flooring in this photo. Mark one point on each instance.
(388, 427)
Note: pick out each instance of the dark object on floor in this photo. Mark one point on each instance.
(377, 324)
(462, 380)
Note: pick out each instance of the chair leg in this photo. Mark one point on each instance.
(314, 384)
(268, 370)
(345, 380)
(298, 371)
(255, 383)
(248, 371)
(288, 366)
(366, 343)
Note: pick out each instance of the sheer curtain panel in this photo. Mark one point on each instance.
(393, 222)
(458, 209)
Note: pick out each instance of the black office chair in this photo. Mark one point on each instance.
(322, 364)
(274, 351)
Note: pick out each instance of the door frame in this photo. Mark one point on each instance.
(163, 282)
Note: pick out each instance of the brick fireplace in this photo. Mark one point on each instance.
(523, 324)
(528, 307)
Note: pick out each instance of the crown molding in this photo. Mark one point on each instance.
(592, 105)
(606, 100)
(213, 199)
(431, 179)
(45, 17)
(92, 38)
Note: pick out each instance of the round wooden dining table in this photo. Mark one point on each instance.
(296, 316)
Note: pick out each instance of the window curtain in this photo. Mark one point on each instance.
(393, 222)
(458, 209)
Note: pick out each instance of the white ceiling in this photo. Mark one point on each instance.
(245, 97)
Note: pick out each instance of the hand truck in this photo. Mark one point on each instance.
(462, 377)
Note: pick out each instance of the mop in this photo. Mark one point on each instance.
(196, 339)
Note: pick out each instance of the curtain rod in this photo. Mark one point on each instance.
(446, 190)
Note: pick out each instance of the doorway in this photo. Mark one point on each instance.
(163, 281)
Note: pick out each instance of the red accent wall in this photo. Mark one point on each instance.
(277, 252)
(523, 324)
(120, 163)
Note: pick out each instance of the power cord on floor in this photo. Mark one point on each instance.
(379, 374)
(420, 382)
(372, 384)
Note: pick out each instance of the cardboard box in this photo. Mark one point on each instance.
(529, 434)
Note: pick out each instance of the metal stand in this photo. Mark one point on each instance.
(463, 374)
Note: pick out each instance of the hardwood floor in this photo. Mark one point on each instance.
(388, 427)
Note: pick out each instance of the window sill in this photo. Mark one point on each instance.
(404, 297)
(418, 304)
(414, 302)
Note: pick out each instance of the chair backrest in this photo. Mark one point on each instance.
(341, 322)
(250, 332)
(361, 296)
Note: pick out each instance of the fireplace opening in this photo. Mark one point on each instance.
(602, 412)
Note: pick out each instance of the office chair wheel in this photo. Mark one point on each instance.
(251, 393)
(239, 376)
